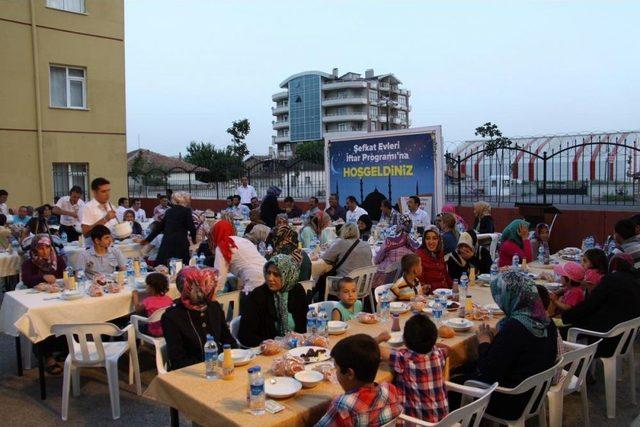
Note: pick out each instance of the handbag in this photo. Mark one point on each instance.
(321, 283)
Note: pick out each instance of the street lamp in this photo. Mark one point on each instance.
(388, 102)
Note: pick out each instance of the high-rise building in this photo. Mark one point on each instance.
(315, 104)
(62, 115)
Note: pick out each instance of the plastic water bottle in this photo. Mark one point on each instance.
(321, 322)
(515, 262)
(546, 255)
(494, 270)
(311, 321)
(438, 310)
(314, 243)
(201, 260)
(172, 267)
(384, 306)
(143, 267)
(80, 279)
(131, 277)
(256, 391)
(541, 254)
(262, 248)
(64, 237)
(464, 285)
(210, 358)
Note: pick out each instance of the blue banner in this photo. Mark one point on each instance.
(395, 166)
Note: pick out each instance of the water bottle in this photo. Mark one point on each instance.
(143, 267)
(541, 254)
(172, 267)
(311, 321)
(494, 270)
(256, 391)
(515, 262)
(80, 279)
(314, 243)
(262, 248)
(321, 322)
(201, 260)
(64, 237)
(546, 255)
(438, 310)
(210, 358)
(464, 285)
(131, 277)
(384, 308)
(269, 250)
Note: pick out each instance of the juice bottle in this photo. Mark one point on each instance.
(227, 362)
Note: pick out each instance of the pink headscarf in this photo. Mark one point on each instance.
(197, 286)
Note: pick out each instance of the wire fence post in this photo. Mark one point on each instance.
(459, 182)
(189, 175)
(287, 170)
(544, 177)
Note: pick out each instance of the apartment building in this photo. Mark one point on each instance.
(315, 104)
(62, 116)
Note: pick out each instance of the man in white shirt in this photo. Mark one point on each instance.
(354, 212)
(419, 218)
(4, 195)
(98, 210)
(246, 192)
(141, 215)
(123, 206)
(68, 208)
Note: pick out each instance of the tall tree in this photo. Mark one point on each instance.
(310, 151)
(496, 142)
(239, 130)
(221, 163)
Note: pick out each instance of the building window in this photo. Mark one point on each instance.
(68, 5)
(67, 86)
(373, 111)
(343, 127)
(402, 115)
(66, 175)
(373, 126)
(373, 96)
(402, 100)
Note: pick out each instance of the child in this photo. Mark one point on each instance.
(157, 287)
(419, 370)
(595, 264)
(365, 402)
(349, 306)
(546, 302)
(572, 275)
(408, 285)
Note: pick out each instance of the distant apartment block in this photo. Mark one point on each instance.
(315, 104)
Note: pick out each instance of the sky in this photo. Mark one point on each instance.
(532, 67)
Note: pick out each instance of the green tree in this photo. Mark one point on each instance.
(239, 130)
(310, 151)
(496, 140)
(221, 163)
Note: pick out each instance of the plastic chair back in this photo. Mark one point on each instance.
(377, 292)
(230, 302)
(575, 362)
(86, 332)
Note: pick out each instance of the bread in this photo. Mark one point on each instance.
(95, 290)
(446, 332)
(287, 366)
(270, 347)
(317, 341)
(367, 318)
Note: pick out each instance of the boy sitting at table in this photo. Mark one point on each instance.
(419, 370)
(365, 402)
(408, 285)
(349, 306)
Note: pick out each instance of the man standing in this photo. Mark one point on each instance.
(158, 211)
(334, 210)
(4, 195)
(102, 257)
(246, 192)
(291, 209)
(313, 207)
(354, 212)
(141, 215)
(99, 210)
(419, 218)
(123, 206)
(68, 208)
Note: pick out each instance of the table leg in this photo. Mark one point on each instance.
(19, 355)
(43, 386)
(175, 417)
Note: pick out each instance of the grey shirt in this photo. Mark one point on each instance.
(360, 256)
(95, 264)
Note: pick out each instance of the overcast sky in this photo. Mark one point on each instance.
(532, 67)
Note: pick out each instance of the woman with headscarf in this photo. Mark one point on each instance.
(256, 230)
(195, 315)
(540, 239)
(318, 228)
(514, 241)
(615, 300)
(526, 342)
(364, 226)
(483, 222)
(44, 266)
(277, 307)
(450, 233)
(392, 250)
(269, 207)
(236, 255)
(468, 254)
(461, 225)
(176, 226)
(285, 241)
(434, 268)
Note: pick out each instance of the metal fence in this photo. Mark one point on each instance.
(296, 178)
(588, 173)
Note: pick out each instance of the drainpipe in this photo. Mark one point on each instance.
(36, 74)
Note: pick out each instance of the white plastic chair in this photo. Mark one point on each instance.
(94, 353)
(363, 277)
(627, 332)
(377, 292)
(159, 343)
(225, 299)
(234, 327)
(538, 385)
(575, 364)
(495, 239)
(465, 416)
(308, 285)
(328, 306)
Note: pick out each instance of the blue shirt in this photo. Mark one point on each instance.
(21, 221)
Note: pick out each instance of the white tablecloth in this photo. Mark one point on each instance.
(32, 314)
(10, 264)
(128, 249)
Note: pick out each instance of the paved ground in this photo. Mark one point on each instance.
(21, 404)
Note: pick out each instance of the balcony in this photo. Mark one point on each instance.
(397, 121)
(280, 95)
(384, 86)
(347, 100)
(346, 117)
(282, 124)
(336, 133)
(382, 118)
(280, 139)
(279, 110)
(344, 85)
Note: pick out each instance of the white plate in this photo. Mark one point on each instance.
(484, 277)
(399, 307)
(493, 308)
(308, 378)
(396, 338)
(553, 286)
(337, 327)
(281, 387)
(299, 351)
(443, 292)
(431, 303)
(71, 295)
(458, 324)
(240, 357)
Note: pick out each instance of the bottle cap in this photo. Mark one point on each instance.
(257, 369)
(226, 346)
(209, 337)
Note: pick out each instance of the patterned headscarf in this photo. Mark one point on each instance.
(440, 248)
(221, 237)
(45, 265)
(404, 224)
(402, 237)
(319, 221)
(511, 232)
(518, 298)
(273, 191)
(196, 286)
(288, 269)
(285, 241)
(539, 228)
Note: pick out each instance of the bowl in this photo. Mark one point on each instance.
(122, 230)
(399, 307)
(281, 387)
(240, 357)
(459, 324)
(396, 339)
(443, 292)
(309, 378)
(337, 327)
